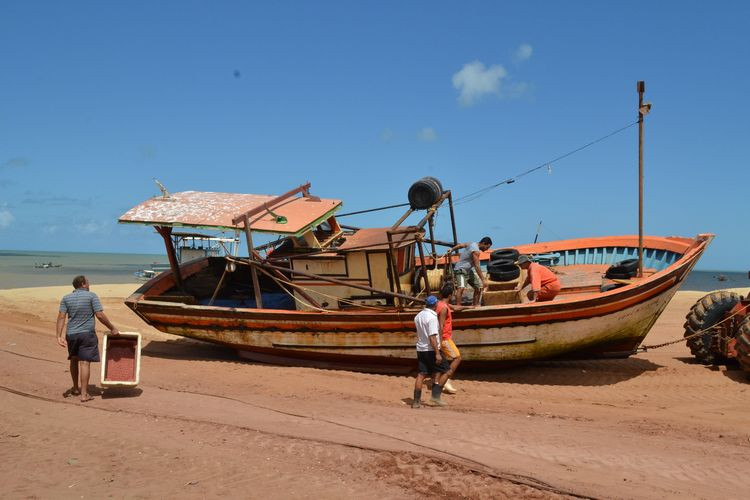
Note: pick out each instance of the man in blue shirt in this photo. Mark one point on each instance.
(80, 307)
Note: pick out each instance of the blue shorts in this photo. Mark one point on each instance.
(84, 346)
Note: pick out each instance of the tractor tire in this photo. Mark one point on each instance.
(703, 315)
(743, 346)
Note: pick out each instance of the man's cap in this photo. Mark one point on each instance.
(523, 259)
(431, 301)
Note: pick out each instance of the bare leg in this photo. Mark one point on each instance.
(454, 364)
(85, 369)
(477, 295)
(459, 295)
(418, 382)
(76, 390)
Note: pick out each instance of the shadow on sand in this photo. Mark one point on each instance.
(189, 349)
(121, 392)
(599, 372)
(594, 372)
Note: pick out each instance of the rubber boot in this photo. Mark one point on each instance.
(437, 389)
(416, 402)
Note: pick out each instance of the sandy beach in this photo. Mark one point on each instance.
(204, 424)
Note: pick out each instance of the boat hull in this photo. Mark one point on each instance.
(608, 324)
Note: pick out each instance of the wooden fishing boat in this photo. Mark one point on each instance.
(333, 296)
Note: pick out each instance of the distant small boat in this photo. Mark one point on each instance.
(45, 265)
(191, 246)
(721, 277)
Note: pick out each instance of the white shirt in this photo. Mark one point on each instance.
(427, 325)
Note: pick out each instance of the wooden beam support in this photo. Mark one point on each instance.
(304, 189)
(251, 257)
(336, 281)
(166, 233)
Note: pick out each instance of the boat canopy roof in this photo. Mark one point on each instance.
(207, 210)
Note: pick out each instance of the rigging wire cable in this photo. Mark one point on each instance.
(477, 194)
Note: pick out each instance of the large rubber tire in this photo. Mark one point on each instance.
(424, 193)
(623, 270)
(501, 265)
(505, 275)
(743, 346)
(703, 315)
(504, 254)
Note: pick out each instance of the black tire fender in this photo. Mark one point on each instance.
(504, 254)
(505, 275)
(501, 265)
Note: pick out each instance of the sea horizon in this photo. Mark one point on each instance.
(17, 269)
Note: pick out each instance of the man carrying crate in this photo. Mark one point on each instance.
(80, 307)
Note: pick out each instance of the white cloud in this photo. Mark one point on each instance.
(90, 227)
(427, 134)
(386, 135)
(475, 80)
(523, 53)
(6, 218)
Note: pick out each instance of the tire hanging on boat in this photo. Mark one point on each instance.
(702, 316)
(424, 193)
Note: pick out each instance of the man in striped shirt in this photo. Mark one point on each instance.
(80, 307)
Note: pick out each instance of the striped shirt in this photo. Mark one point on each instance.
(80, 305)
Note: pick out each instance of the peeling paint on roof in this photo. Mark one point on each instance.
(216, 210)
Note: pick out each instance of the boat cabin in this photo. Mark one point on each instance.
(315, 264)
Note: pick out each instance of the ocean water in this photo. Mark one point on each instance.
(707, 281)
(17, 270)
(17, 267)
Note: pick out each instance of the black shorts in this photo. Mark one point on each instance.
(84, 346)
(427, 365)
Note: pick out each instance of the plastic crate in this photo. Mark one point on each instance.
(121, 360)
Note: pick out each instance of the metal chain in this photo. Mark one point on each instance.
(645, 348)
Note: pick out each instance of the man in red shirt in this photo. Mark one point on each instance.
(544, 284)
(448, 348)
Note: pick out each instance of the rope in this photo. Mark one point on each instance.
(373, 209)
(645, 348)
(477, 194)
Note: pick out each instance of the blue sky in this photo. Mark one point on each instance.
(361, 99)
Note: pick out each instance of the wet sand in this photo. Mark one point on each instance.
(204, 424)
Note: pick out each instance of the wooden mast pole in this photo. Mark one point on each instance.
(641, 89)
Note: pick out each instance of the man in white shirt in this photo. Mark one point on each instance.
(429, 360)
